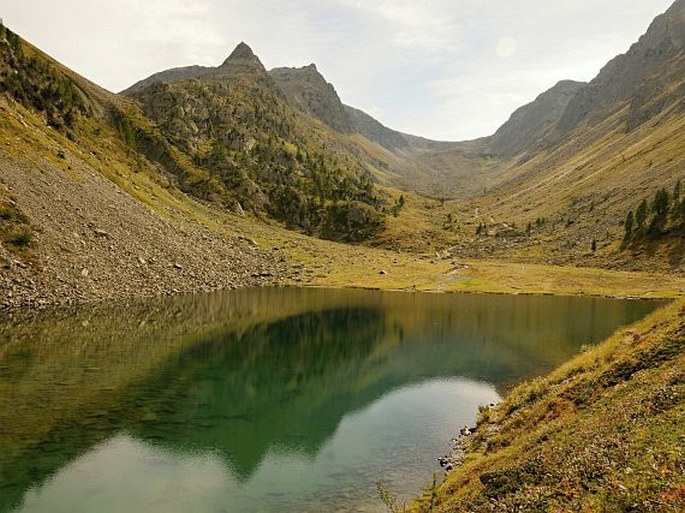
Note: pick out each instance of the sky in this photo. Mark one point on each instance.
(443, 69)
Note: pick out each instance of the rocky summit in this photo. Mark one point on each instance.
(306, 89)
(241, 59)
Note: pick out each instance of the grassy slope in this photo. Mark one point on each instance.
(583, 189)
(604, 432)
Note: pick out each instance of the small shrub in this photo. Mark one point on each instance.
(11, 214)
(21, 237)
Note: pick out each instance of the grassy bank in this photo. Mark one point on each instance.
(604, 432)
(358, 267)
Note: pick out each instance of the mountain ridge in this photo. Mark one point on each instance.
(306, 89)
(623, 75)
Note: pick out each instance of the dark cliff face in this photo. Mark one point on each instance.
(626, 75)
(307, 90)
(529, 125)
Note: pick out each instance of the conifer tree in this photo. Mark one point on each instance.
(629, 223)
(641, 215)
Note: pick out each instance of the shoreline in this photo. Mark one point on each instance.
(592, 412)
(30, 292)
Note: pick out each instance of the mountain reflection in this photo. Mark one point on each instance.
(248, 374)
(285, 384)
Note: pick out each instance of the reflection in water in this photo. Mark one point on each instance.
(128, 474)
(258, 400)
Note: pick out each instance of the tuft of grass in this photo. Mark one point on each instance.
(11, 214)
(22, 236)
(15, 230)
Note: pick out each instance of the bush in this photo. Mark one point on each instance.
(11, 214)
(23, 236)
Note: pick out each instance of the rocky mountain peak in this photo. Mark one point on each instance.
(307, 90)
(242, 58)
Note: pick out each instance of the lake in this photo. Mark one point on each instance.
(264, 400)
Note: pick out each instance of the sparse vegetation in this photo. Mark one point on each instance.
(660, 217)
(16, 233)
(34, 82)
(601, 433)
(258, 156)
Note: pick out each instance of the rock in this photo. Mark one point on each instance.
(85, 273)
(382, 272)
(102, 233)
(178, 266)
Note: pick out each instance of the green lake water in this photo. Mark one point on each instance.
(264, 400)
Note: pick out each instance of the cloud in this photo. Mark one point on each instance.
(430, 24)
(450, 69)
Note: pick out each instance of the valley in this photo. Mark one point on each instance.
(202, 179)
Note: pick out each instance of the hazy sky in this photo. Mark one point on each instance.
(445, 69)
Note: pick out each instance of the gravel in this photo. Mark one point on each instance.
(94, 242)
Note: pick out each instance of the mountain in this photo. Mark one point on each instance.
(626, 76)
(161, 190)
(259, 153)
(90, 206)
(241, 59)
(529, 125)
(307, 90)
(566, 189)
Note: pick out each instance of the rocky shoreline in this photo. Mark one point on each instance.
(463, 443)
(457, 455)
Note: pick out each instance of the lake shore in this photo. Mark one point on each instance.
(596, 434)
(322, 264)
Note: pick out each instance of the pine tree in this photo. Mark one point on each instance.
(660, 207)
(641, 215)
(629, 223)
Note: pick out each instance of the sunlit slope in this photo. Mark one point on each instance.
(582, 191)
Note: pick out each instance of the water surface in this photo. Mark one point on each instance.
(264, 400)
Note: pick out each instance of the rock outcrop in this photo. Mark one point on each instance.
(626, 75)
(307, 90)
(529, 125)
(168, 76)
